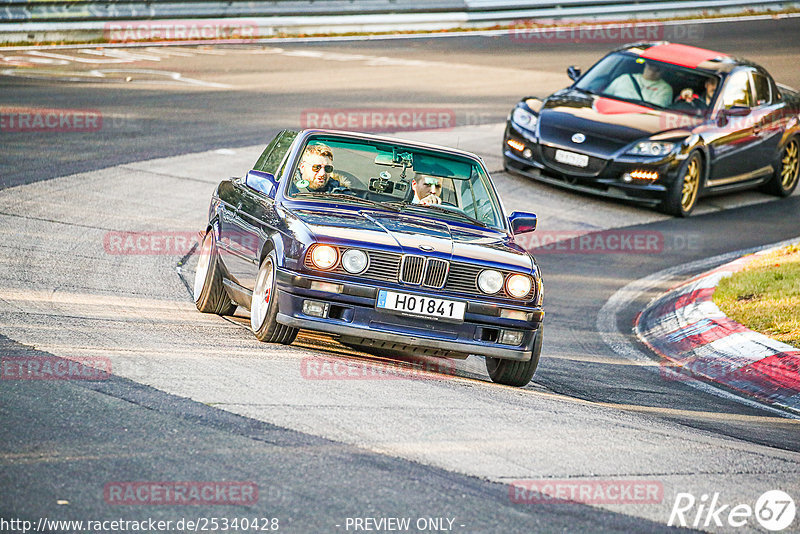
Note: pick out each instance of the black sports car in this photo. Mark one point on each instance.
(394, 246)
(660, 123)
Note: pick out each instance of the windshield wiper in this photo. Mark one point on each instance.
(445, 210)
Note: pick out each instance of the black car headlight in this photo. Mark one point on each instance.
(651, 148)
(524, 118)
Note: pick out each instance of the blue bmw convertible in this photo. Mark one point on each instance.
(391, 246)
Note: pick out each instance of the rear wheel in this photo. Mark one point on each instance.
(264, 306)
(784, 181)
(512, 372)
(682, 196)
(209, 294)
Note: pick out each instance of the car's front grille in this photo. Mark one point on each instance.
(436, 273)
(593, 168)
(412, 269)
(432, 273)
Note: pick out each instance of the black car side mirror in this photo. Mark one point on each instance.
(263, 182)
(574, 73)
(734, 111)
(522, 222)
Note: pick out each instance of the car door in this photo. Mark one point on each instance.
(770, 119)
(254, 218)
(734, 144)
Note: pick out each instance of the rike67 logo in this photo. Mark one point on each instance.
(774, 510)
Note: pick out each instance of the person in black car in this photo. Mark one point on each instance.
(315, 173)
(701, 103)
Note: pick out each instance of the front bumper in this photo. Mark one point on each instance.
(606, 180)
(352, 315)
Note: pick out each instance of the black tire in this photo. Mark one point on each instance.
(209, 293)
(264, 306)
(787, 167)
(683, 193)
(515, 373)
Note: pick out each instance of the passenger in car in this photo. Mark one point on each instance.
(701, 103)
(646, 86)
(427, 189)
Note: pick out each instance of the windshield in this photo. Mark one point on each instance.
(654, 84)
(395, 177)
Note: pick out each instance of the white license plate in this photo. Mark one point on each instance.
(417, 305)
(571, 158)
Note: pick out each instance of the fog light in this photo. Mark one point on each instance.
(510, 337)
(315, 308)
(527, 153)
(326, 286)
(517, 315)
(640, 176)
(516, 145)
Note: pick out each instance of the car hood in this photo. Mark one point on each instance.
(413, 234)
(607, 124)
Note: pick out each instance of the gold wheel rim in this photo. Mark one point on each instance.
(789, 165)
(691, 183)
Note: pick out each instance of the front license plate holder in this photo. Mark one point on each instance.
(421, 306)
(572, 158)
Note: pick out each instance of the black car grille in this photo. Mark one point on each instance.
(431, 273)
(593, 168)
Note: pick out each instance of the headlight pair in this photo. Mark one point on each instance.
(326, 257)
(517, 285)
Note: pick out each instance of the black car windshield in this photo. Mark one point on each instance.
(655, 84)
(395, 176)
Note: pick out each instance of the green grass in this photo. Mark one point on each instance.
(765, 296)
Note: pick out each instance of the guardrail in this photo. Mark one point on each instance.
(86, 20)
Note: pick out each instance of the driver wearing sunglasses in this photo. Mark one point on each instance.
(315, 171)
(427, 189)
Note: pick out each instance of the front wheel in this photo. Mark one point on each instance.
(515, 373)
(682, 195)
(264, 306)
(209, 294)
(784, 180)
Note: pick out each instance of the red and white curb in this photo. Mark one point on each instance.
(696, 340)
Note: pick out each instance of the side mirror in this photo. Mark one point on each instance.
(737, 111)
(263, 182)
(522, 222)
(574, 73)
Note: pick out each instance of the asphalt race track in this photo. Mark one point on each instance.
(194, 397)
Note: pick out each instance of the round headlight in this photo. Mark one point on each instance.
(518, 285)
(354, 261)
(324, 256)
(490, 281)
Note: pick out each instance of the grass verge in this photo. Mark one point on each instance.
(765, 296)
